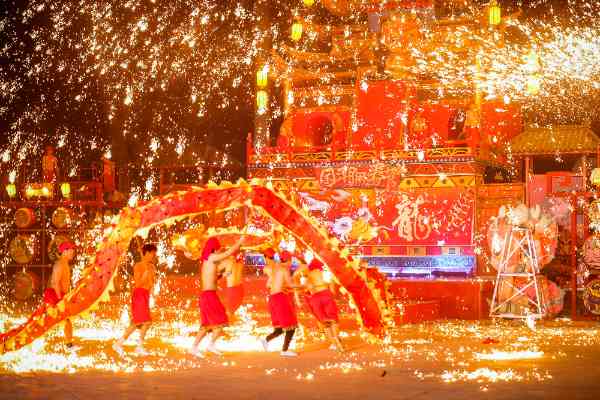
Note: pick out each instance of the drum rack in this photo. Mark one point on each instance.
(45, 231)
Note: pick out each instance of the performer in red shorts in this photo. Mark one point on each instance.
(321, 301)
(233, 294)
(60, 283)
(144, 276)
(281, 306)
(212, 313)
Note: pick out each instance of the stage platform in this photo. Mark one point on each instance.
(458, 298)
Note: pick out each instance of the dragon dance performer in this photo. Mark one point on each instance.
(212, 313)
(144, 277)
(281, 304)
(60, 283)
(233, 293)
(321, 300)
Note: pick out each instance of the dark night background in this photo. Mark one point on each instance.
(50, 97)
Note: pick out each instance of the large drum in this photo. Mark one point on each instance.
(26, 284)
(24, 218)
(23, 248)
(53, 252)
(61, 218)
(591, 296)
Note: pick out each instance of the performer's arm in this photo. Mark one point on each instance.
(287, 280)
(301, 271)
(56, 280)
(221, 256)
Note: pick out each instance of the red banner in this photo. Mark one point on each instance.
(374, 176)
(419, 217)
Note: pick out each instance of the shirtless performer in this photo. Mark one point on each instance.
(233, 269)
(60, 283)
(144, 277)
(321, 301)
(212, 313)
(281, 307)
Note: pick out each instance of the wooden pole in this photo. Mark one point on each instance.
(526, 177)
(574, 257)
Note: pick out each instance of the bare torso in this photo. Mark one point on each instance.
(279, 278)
(209, 269)
(144, 274)
(315, 282)
(60, 280)
(208, 275)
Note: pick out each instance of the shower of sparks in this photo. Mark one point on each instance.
(143, 70)
(156, 74)
(449, 352)
(510, 355)
(149, 70)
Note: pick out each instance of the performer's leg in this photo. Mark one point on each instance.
(334, 335)
(274, 334)
(203, 331)
(288, 339)
(118, 345)
(130, 329)
(69, 332)
(143, 331)
(216, 332)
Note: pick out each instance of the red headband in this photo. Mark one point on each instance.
(315, 264)
(269, 253)
(285, 256)
(210, 247)
(64, 246)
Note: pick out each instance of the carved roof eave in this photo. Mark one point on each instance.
(559, 139)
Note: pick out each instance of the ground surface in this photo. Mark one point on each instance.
(442, 360)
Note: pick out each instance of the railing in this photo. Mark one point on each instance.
(336, 151)
(274, 155)
(83, 186)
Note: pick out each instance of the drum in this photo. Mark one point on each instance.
(591, 296)
(61, 218)
(26, 284)
(23, 248)
(53, 252)
(24, 218)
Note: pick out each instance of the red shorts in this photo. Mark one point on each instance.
(51, 297)
(323, 306)
(233, 297)
(140, 306)
(212, 312)
(283, 312)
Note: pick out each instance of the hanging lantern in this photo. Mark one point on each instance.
(595, 177)
(534, 84)
(11, 190)
(296, 31)
(262, 77)
(594, 215)
(308, 3)
(262, 98)
(65, 189)
(494, 13)
(29, 192)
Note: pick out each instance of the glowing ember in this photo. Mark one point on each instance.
(509, 355)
